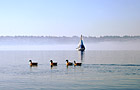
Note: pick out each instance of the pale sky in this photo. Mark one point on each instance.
(69, 17)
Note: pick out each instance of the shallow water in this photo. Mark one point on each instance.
(100, 70)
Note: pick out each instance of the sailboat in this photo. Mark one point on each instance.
(81, 46)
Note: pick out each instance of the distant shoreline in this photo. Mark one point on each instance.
(43, 40)
(111, 36)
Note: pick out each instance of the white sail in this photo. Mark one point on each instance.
(81, 46)
(80, 42)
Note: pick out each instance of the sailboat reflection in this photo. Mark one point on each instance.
(81, 55)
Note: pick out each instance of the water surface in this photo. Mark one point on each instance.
(101, 70)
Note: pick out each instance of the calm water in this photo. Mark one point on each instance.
(101, 70)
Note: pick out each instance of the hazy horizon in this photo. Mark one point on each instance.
(69, 43)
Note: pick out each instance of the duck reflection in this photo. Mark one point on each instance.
(53, 67)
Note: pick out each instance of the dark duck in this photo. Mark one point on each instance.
(33, 63)
(69, 63)
(77, 64)
(53, 63)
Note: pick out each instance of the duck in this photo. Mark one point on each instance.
(77, 64)
(33, 63)
(69, 63)
(53, 63)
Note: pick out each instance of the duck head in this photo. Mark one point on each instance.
(30, 60)
(51, 61)
(67, 61)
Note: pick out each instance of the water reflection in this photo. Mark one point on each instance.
(53, 67)
(81, 55)
(32, 68)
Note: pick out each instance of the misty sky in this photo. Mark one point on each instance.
(69, 17)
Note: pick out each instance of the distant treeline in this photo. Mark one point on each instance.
(42, 40)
